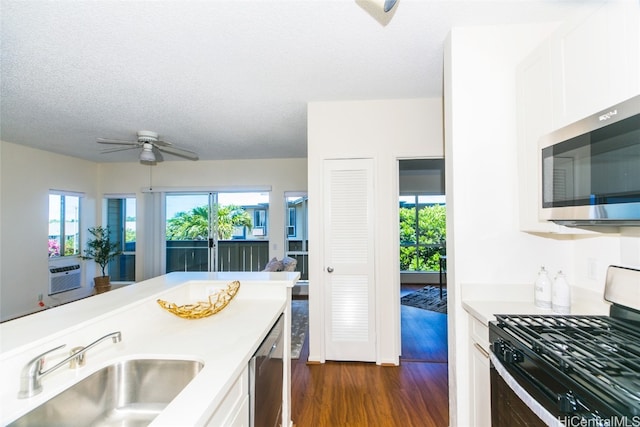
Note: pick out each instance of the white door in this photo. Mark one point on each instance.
(348, 260)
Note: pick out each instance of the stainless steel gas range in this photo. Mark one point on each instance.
(570, 370)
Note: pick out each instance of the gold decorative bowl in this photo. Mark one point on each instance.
(217, 302)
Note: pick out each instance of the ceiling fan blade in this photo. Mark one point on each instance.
(163, 143)
(114, 150)
(179, 152)
(158, 154)
(117, 142)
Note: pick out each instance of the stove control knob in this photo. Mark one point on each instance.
(498, 347)
(501, 349)
(506, 352)
(567, 403)
(511, 355)
(516, 356)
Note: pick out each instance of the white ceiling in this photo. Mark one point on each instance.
(227, 79)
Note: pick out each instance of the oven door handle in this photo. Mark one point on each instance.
(533, 380)
(567, 403)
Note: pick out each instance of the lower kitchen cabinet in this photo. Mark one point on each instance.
(480, 385)
(233, 411)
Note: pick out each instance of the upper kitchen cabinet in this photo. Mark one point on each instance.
(595, 61)
(586, 65)
(535, 115)
(535, 118)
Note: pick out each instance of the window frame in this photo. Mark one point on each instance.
(420, 201)
(260, 222)
(291, 222)
(120, 235)
(63, 220)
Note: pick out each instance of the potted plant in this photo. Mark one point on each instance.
(101, 250)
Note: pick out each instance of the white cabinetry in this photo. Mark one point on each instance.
(480, 390)
(596, 61)
(535, 118)
(536, 87)
(234, 409)
(586, 65)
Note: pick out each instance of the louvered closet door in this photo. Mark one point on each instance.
(348, 275)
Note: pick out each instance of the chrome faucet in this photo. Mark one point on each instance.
(32, 373)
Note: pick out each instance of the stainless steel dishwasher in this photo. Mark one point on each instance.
(265, 379)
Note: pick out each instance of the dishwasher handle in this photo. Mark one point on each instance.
(273, 340)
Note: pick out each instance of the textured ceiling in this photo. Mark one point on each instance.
(226, 79)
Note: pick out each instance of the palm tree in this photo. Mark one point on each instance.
(194, 225)
(231, 216)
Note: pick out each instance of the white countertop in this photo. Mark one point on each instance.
(224, 342)
(483, 302)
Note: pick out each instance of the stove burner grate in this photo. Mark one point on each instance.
(599, 352)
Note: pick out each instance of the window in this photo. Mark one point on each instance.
(121, 220)
(296, 225)
(64, 224)
(215, 231)
(422, 214)
(422, 232)
(291, 222)
(260, 222)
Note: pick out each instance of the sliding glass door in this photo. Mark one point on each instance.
(216, 231)
(190, 232)
(121, 220)
(242, 231)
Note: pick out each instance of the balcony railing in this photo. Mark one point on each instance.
(303, 264)
(233, 255)
(187, 255)
(242, 255)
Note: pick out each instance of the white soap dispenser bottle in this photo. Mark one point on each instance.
(542, 290)
(561, 295)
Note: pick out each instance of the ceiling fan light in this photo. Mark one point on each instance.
(147, 154)
(388, 5)
(381, 10)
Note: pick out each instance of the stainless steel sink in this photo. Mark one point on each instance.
(128, 393)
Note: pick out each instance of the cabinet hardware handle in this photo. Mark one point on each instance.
(481, 349)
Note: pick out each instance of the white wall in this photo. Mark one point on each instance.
(384, 130)
(484, 244)
(26, 176)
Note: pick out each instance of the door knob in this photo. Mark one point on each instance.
(330, 269)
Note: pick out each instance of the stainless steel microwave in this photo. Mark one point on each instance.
(591, 169)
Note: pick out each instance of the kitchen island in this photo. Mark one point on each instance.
(223, 343)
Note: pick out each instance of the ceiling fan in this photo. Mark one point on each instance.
(381, 10)
(152, 147)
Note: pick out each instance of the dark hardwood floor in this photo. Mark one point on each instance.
(353, 394)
